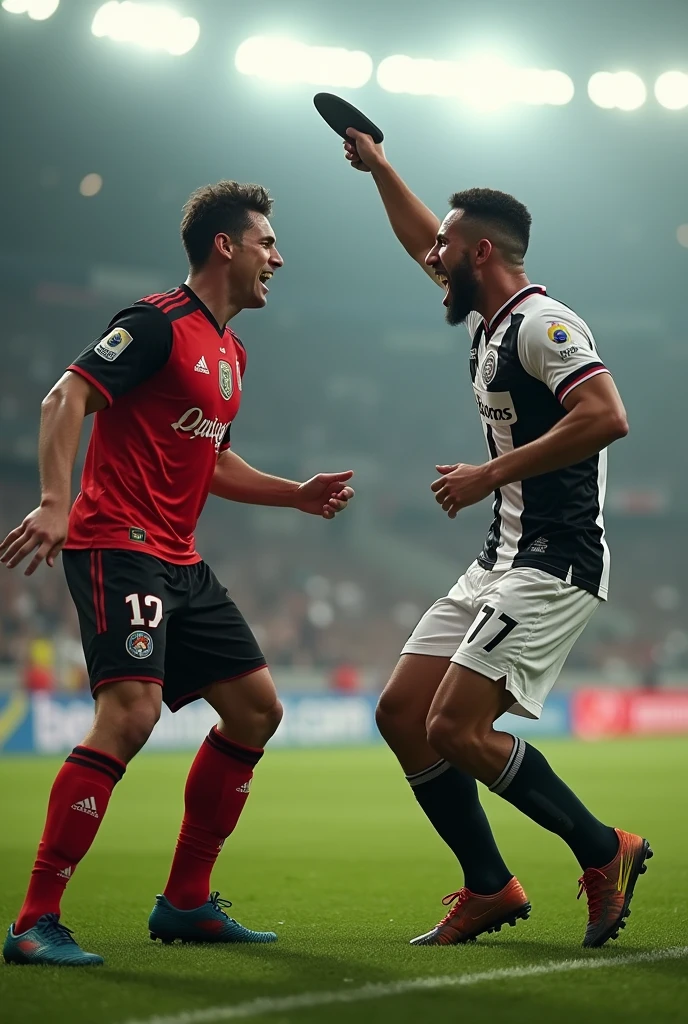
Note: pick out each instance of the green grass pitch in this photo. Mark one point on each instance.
(334, 854)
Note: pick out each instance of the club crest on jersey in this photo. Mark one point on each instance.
(113, 344)
(139, 644)
(558, 333)
(226, 379)
(489, 368)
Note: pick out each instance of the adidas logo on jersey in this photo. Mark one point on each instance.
(244, 788)
(201, 366)
(88, 806)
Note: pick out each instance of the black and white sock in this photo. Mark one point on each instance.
(450, 800)
(529, 783)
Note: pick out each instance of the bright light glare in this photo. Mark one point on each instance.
(38, 10)
(671, 90)
(91, 185)
(485, 83)
(623, 90)
(286, 60)
(149, 25)
(682, 235)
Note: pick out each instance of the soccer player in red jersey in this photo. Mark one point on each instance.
(165, 383)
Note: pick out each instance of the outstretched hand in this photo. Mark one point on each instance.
(325, 494)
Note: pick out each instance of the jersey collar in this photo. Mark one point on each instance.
(203, 308)
(510, 305)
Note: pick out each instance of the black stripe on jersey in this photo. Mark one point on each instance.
(577, 376)
(488, 556)
(518, 298)
(183, 309)
(159, 298)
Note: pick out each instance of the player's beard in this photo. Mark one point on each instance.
(463, 293)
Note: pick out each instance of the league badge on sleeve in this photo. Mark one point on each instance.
(558, 333)
(113, 344)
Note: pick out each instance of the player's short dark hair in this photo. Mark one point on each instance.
(508, 219)
(224, 207)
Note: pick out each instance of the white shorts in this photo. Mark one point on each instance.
(518, 623)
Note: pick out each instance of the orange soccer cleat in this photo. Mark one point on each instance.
(472, 915)
(610, 889)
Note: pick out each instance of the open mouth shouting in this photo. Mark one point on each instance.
(444, 281)
(264, 276)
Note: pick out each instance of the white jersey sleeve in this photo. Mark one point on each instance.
(557, 347)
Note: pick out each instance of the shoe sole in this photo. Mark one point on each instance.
(522, 913)
(168, 940)
(66, 963)
(639, 868)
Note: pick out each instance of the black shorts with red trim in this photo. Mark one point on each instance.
(148, 619)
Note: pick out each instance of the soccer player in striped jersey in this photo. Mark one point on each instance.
(497, 642)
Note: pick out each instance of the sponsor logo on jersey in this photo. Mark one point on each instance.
(195, 424)
(136, 533)
(489, 368)
(113, 344)
(566, 353)
(496, 406)
(139, 644)
(558, 333)
(226, 379)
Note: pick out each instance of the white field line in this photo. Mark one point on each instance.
(382, 990)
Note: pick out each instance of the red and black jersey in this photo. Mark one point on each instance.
(172, 377)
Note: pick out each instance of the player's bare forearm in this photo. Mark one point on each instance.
(62, 417)
(44, 531)
(582, 433)
(412, 222)
(323, 495)
(235, 480)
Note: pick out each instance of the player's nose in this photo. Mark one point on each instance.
(276, 260)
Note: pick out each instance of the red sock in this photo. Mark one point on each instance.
(78, 801)
(216, 791)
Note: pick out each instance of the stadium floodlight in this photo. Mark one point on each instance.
(152, 26)
(37, 10)
(671, 90)
(622, 90)
(484, 83)
(90, 185)
(279, 59)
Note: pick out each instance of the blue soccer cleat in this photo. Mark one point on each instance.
(48, 942)
(207, 923)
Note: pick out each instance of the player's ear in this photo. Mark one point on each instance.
(224, 246)
(482, 251)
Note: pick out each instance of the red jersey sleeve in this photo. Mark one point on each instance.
(136, 344)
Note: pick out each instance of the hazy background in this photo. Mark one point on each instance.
(351, 365)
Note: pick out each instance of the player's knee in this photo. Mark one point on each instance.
(129, 713)
(272, 719)
(392, 717)
(453, 741)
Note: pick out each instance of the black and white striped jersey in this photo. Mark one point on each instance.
(532, 354)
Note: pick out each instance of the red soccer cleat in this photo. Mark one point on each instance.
(610, 889)
(472, 915)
